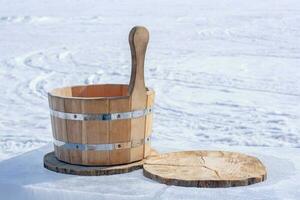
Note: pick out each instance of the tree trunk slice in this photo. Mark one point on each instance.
(53, 164)
(205, 169)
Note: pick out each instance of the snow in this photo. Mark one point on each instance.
(226, 74)
(32, 181)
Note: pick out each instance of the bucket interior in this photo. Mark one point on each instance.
(93, 91)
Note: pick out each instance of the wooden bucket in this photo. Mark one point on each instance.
(105, 124)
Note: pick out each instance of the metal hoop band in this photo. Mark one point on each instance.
(101, 147)
(101, 117)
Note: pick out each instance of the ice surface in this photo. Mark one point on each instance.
(23, 177)
(226, 72)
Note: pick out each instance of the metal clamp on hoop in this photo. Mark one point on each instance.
(101, 147)
(101, 117)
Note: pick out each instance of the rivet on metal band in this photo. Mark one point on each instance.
(101, 117)
(101, 147)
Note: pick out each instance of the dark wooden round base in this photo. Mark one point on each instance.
(205, 169)
(53, 164)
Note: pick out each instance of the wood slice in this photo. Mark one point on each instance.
(205, 169)
(53, 164)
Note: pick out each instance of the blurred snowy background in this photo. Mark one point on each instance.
(225, 71)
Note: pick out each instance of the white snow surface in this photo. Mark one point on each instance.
(30, 181)
(226, 72)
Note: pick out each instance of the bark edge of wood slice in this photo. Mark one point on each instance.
(209, 169)
(53, 164)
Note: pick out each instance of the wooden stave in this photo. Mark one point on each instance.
(63, 104)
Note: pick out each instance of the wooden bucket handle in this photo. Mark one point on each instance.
(138, 41)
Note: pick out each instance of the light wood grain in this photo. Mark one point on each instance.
(149, 121)
(53, 164)
(119, 131)
(73, 129)
(138, 41)
(106, 98)
(205, 169)
(100, 132)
